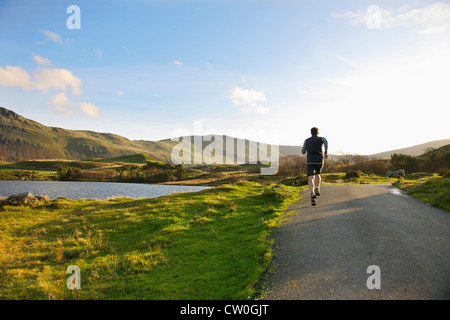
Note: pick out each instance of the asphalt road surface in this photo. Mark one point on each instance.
(324, 252)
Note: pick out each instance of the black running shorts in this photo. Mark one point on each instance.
(313, 168)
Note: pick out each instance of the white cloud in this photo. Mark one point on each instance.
(60, 100)
(178, 63)
(50, 35)
(53, 78)
(90, 109)
(383, 102)
(15, 77)
(248, 100)
(45, 79)
(61, 104)
(434, 18)
(348, 15)
(41, 60)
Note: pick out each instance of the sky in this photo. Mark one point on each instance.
(371, 75)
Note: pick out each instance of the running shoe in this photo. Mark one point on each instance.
(313, 199)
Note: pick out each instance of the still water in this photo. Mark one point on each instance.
(90, 190)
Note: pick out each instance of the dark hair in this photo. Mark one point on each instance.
(314, 131)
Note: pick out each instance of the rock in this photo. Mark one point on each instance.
(396, 173)
(21, 198)
(27, 198)
(43, 198)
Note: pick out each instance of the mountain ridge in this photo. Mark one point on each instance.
(416, 150)
(25, 139)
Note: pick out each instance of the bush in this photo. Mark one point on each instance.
(302, 180)
(353, 174)
(445, 173)
(291, 165)
(69, 173)
(403, 161)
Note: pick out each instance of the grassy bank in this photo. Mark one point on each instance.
(338, 178)
(140, 168)
(28, 175)
(212, 244)
(430, 188)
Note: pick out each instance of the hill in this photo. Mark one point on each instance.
(23, 139)
(415, 150)
(132, 158)
(435, 152)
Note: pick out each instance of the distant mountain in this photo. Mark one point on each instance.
(25, 139)
(416, 150)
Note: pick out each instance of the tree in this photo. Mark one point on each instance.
(69, 173)
(181, 172)
(428, 150)
(437, 162)
(403, 161)
(345, 159)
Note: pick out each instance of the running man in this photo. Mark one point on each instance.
(314, 161)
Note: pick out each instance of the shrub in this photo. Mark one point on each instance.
(445, 173)
(403, 161)
(69, 173)
(353, 174)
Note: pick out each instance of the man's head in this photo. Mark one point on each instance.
(314, 131)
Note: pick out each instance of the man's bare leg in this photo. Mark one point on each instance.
(317, 180)
(311, 189)
(311, 184)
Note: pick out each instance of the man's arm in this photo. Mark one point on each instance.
(304, 147)
(325, 143)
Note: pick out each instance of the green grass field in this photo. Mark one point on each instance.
(134, 158)
(430, 188)
(212, 244)
(336, 178)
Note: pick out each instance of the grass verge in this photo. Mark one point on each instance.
(430, 188)
(339, 178)
(212, 244)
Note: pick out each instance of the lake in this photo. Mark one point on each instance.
(91, 190)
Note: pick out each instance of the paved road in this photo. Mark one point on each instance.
(323, 252)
